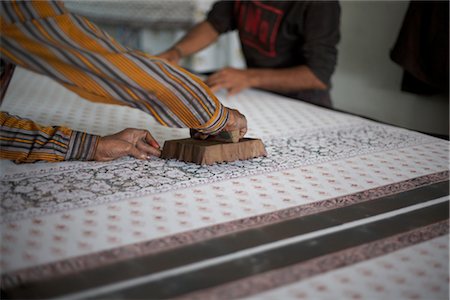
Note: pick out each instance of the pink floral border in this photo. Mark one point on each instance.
(276, 278)
(93, 260)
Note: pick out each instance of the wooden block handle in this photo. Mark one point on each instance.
(223, 136)
(226, 136)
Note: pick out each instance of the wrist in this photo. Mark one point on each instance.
(231, 122)
(97, 148)
(82, 146)
(178, 52)
(252, 78)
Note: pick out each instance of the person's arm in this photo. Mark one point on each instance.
(220, 19)
(286, 80)
(22, 140)
(199, 37)
(46, 38)
(318, 28)
(278, 80)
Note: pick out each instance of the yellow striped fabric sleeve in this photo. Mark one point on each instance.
(46, 38)
(22, 140)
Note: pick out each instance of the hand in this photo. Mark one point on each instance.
(173, 55)
(236, 121)
(138, 143)
(234, 80)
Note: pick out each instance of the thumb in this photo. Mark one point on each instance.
(136, 153)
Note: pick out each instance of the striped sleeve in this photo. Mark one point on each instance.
(46, 38)
(22, 140)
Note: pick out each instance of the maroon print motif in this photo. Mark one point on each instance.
(258, 25)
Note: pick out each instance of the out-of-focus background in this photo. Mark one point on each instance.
(367, 82)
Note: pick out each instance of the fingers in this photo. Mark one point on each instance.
(214, 77)
(230, 79)
(142, 144)
(242, 132)
(217, 81)
(197, 135)
(236, 121)
(171, 56)
(151, 140)
(148, 145)
(233, 91)
(136, 153)
(142, 151)
(242, 125)
(147, 149)
(215, 88)
(201, 136)
(134, 142)
(214, 82)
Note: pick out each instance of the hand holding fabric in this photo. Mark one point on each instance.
(138, 143)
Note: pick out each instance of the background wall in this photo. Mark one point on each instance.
(367, 82)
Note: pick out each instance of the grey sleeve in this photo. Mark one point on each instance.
(321, 35)
(221, 16)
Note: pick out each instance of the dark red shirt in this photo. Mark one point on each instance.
(281, 34)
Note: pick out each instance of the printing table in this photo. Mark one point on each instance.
(341, 208)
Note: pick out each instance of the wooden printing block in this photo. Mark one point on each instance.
(223, 136)
(226, 136)
(208, 152)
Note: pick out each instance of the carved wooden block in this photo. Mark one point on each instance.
(223, 136)
(208, 152)
(226, 136)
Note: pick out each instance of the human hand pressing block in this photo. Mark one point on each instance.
(234, 130)
(226, 146)
(172, 95)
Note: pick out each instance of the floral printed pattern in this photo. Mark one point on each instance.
(28, 195)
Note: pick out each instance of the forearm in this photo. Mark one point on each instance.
(23, 140)
(285, 80)
(199, 37)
